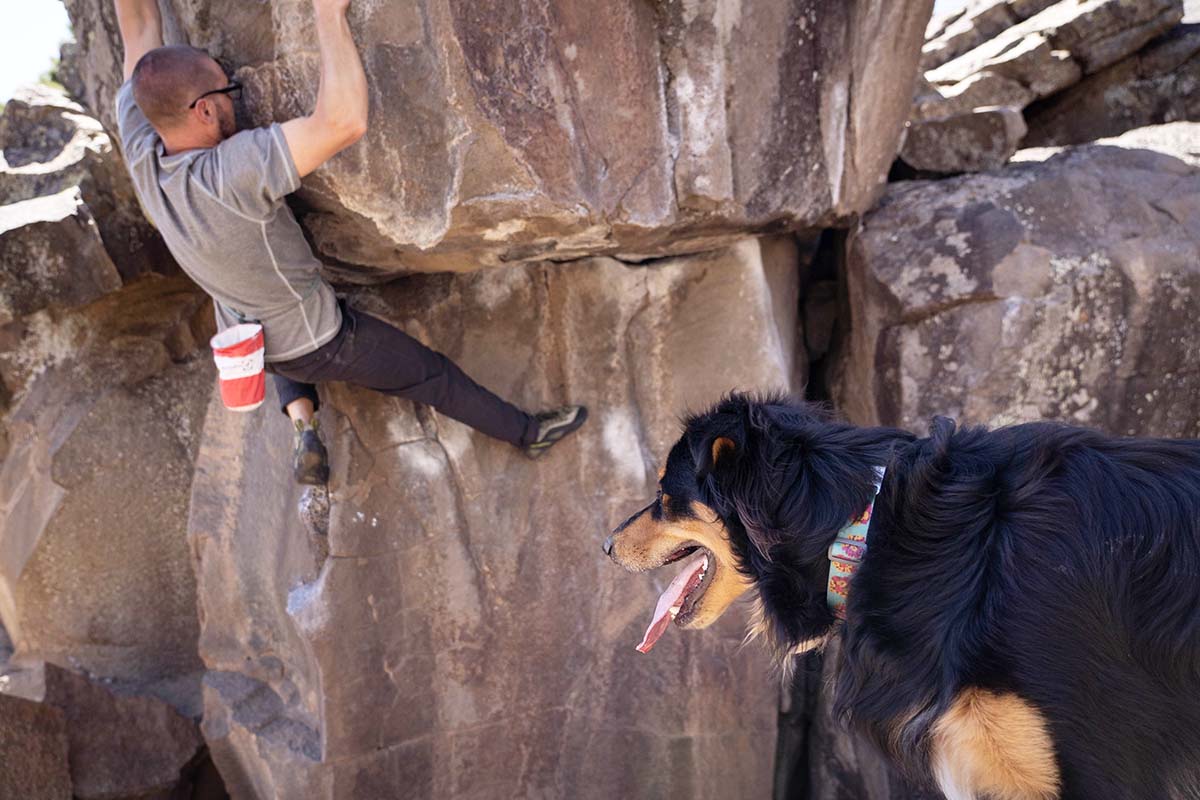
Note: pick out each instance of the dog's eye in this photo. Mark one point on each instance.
(659, 496)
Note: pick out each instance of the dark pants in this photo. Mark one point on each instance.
(371, 353)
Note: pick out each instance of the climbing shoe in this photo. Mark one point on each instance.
(310, 464)
(554, 425)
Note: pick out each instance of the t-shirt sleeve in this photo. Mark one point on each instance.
(138, 136)
(255, 171)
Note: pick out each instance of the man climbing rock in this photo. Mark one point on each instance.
(217, 197)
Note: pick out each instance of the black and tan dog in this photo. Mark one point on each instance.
(1022, 621)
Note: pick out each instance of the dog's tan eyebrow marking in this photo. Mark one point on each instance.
(662, 471)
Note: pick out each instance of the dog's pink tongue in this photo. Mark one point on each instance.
(671, 599)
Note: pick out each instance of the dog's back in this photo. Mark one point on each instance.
(1046, 563)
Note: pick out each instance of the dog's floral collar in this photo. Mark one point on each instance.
(846, 553)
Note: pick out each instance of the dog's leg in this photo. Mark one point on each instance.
(996, 745)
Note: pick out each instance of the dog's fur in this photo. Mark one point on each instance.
(1025, 624)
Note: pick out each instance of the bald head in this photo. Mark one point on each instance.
(167, 79)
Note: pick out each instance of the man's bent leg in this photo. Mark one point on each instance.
(380, 356)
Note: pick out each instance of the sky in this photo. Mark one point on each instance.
(27, 49)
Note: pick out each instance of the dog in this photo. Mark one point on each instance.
(1020, 619)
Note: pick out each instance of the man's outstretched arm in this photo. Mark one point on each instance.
(141, 30)
(340, 118)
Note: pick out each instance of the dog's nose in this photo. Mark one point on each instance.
(608, 545)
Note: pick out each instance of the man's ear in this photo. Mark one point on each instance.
(206, 111)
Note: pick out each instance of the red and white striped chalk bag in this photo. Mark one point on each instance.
(238, 351)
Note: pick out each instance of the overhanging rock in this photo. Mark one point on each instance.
(459, 631)
(505, 132)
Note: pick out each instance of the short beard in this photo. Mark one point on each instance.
(226, 125)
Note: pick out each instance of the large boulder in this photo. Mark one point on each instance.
(459, 632)
(1062, 287)
(104, 406)
(983, 90)
(1160, 83)
(505, 132)
(120, 747)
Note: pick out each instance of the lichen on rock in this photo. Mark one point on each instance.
(1068, 297)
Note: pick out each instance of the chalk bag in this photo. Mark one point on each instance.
(238, 352)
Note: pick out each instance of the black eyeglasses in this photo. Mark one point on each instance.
(233, 88)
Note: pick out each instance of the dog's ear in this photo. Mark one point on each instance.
(714, 451)
(722, 446)
(718, 439)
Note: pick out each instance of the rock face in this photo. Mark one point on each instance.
(1061, 288)
(33, 739)
(442, 619)
(106, 406)
(506, 132)
(458, 632)
(1159, 84)
(102, 398)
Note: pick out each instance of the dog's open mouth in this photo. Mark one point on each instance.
(678, 601)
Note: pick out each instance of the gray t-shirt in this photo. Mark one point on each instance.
(221, 213)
